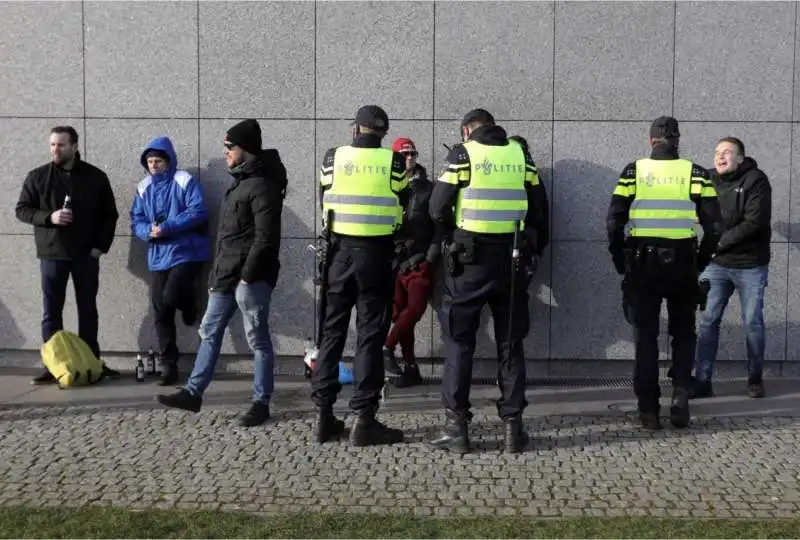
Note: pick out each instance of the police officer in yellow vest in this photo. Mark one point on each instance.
(661, 198)
(488, 185)
(365, 186)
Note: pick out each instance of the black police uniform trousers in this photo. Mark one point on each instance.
(486, 280)
(662, 273)
(360, 275)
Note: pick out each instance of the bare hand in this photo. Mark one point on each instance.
(61, 217)
(155, 231)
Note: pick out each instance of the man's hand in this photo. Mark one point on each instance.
(95, 253)
(155, 231)
(61, 217)
(243, 282)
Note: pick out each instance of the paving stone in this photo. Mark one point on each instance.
(592, 465)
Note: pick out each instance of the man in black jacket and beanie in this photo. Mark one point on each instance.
(740, 263)
(72, 208)
(245, 269)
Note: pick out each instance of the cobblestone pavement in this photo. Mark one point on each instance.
(587, 456)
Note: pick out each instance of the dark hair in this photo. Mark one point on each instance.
(670, 141)
(734, 141)
(479, 118)
(69, 130)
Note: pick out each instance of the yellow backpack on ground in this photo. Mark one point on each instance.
(70, 360)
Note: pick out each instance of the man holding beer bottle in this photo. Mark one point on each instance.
(74, 214)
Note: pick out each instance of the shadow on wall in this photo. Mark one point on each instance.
(215, 180)
(10, 335)
(585, 285)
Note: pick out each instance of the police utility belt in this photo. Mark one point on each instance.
(466, 249)
(643, 256)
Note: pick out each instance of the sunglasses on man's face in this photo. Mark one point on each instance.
(228, 145)
(412, 154)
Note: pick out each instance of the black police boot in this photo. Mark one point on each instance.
(515, 437)
(649, 416)
(367, 431)
(390, 364)
(327, 426)
(453, 436)
(679, 408)
(701, 389)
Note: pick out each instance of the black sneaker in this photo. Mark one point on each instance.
(183, 399)
(650, 420)
(257, 415)
(679, 414)
(410, 377)
(755, 387)
(45, 378)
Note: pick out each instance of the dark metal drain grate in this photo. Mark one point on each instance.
(562, 382)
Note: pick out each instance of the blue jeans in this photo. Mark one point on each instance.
(253, 301)
(750, 282)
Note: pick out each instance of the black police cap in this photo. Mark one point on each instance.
(372, 117)
(664, 127)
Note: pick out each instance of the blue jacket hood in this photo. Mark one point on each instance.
(165, 145)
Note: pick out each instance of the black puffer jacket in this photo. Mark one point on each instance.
(93, 205)
(418, 228)
(249, 233)
(745, 198)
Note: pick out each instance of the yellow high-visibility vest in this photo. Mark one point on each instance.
(495, 198)
(363, 193)
(663, 207)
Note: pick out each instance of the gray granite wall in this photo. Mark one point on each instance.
(581, 80)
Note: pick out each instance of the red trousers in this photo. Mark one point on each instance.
(411, 290)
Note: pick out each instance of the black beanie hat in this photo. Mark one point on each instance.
(247, 135)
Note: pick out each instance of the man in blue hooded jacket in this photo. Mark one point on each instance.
(170, 214)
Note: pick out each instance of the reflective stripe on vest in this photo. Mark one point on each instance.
(361, 195)
(495, 198)
(663, 207)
